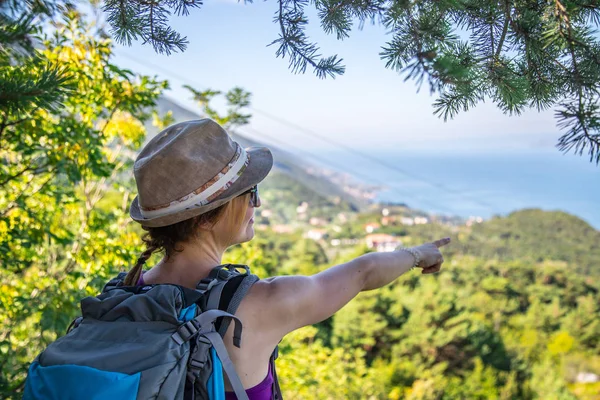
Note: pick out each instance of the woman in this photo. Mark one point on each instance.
(197, 196)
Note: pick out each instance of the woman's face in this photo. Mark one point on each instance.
(246, 229)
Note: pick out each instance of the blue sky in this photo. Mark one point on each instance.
(369, 107)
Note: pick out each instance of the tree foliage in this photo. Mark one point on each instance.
(60, 236)
(478, 330)
(237, 99)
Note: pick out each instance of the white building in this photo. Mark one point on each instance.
(315, 234)
(382, 242)
(302, 208)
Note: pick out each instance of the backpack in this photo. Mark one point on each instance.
(148, 342)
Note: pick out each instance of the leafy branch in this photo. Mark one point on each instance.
(237, 99)
(148, 21)
(516, 54)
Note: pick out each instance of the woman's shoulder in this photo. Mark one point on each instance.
(274, 303)
(273, 292)
(259, 309)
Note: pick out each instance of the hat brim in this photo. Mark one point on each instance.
(259, 165)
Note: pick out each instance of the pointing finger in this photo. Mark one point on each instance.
(441, 242)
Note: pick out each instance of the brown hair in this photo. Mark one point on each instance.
(166, 238)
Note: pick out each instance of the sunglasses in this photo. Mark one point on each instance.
(253, 195)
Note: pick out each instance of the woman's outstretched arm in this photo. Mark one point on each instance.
(291, 302)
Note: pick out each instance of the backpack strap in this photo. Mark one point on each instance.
(234, 300)
(203, 328)
(115, 282)
(221, 273)
(275, 389)
(226, 287)
(227, 296)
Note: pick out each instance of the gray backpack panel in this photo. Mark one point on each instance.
(128, 333)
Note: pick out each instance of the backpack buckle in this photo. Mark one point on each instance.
(235, 269)
(186, 331)
(206, 284)
(223, 274)
(198, 357)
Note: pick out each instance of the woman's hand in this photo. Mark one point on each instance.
(430, 257)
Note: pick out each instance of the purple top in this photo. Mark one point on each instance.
(262, 391)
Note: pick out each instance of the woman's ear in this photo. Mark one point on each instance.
(203, 225)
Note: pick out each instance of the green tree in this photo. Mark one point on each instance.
(64, 223)
(310, 370)
(237, 99)
(547, 383)
(27, 81)
(305, 257)
(359, 324)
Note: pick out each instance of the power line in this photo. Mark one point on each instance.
(325, 139)
(369, 157)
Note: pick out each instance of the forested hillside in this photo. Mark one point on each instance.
(492, 325)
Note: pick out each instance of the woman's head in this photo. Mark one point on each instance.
(193, 184)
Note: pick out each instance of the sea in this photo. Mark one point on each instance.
(483, 184)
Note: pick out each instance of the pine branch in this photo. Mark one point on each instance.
(504, 30)
(580, 118)
(148, 20)
(15, 37)
(424, 46)
(335, 17)
(21, 21)
(456, 99)
(33, 85)
(126, 24)
(294, 44)
(338, 15)
(182, 7)
(509, 91)
(491, 39)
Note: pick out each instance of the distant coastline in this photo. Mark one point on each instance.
(446, 183)
(484, 185)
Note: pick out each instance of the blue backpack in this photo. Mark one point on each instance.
(148, 342)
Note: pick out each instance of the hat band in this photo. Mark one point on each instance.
(205, 193)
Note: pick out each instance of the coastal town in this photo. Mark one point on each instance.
(380, 228)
